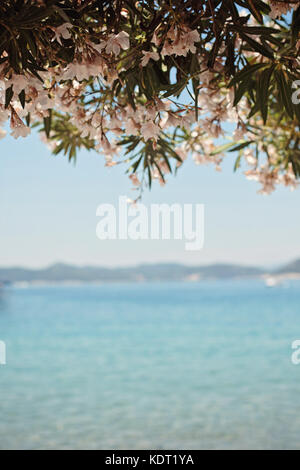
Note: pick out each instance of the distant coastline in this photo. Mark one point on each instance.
(70, 274)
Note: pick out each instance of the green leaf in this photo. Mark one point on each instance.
(47, 124)
(284, 89)
(175, 89)
(31, 42)
(241, 90)
(222, 148)
(149, 176)
(8, 96)
(63, 15)
(245, 73)
(295, 24)
(263, 91)
(241, 146)
(255, 12)
(263, 50)
(130, 96)
(28, 119)
(237, 163)
(159, 170)
(136, 164)
(22, 98)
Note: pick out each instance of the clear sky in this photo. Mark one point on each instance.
(48, 212)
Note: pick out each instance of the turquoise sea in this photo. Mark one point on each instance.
(150, 366)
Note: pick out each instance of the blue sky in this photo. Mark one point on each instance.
(48, 212)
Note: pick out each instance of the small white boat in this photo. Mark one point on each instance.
(272, 281)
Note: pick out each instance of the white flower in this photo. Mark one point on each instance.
(180, 43)
(115, 122)
(249, 157)
(147, 55)
(135, 180)
(19, 83)
(18, 127)
(155, 39)
(82, 71)
(278, 9)
(131, 127)
(289, 178)
(186, 43)
(62, 31)
(150, 130)
(167, 49)
(96, 120)
(239, 133)
(252, 175)
(192, 36)
(150, 113)
(116, 42)
(267, 177)
(22, 131)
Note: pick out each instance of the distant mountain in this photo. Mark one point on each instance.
(293, 267)
(144, 272)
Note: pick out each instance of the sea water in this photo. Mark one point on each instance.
(150, 366)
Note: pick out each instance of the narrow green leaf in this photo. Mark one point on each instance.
(8, 96)
(222, 148)
(247, 71)
(255, 12)
(22, 98)
(263, 91)
(237, 163)
(47, 124)
(61, 13)
(265, 51)
(241, 146)
(284, 89)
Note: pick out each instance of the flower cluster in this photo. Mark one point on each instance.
(280, 8)
(178, 41)
(151, 94)
(269, 178)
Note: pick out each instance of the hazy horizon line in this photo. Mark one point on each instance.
(146, 263)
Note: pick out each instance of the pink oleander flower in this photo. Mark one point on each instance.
(81, 70)
(131, 127)
(279, 8)
(289, 179)
(110, 163)
(150, 130)
(266, 176)
(249, 157)
(114, 43)
(19, 83)
(135, 180)
(155, 39)
(18, 127)
(239, 133)
(148, 55)
(62, 31)
(180, 42)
